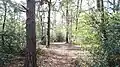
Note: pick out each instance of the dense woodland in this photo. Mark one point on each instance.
(93, 25)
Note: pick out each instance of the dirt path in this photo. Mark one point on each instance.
(59, 55)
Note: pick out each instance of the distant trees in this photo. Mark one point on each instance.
(95, 26)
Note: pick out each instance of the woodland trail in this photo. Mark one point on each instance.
(59, 54)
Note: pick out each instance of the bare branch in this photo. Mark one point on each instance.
(110, 2)
(24, 7)
(22, 10)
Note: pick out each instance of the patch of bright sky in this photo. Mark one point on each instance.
(18, 1)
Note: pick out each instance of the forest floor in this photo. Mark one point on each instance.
(59, 54)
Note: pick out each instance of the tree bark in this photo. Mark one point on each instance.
(114, 7)
(48, 29)
(30, 60)
(98, 5)
(67, 22)
(3, 26)
(70, 38)
(77, 14)
(117, 7)
(102, 21)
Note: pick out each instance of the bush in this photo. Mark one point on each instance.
(12, 46)
(59, 37)
(43, 40)
(108, 53)
(105, 51)
(14, 39)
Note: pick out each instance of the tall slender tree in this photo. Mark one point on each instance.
(98, 5)
(77, 13)
(30, 60)
(102, 20)
(67, 22)
(48, 29)
(114, 6)
(100, 8)
(118, 5)
(3, 26)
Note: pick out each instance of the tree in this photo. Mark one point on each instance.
(118, 5)
(98, 5)
(48, 29)
(30, 60)
(102, 19)
(67, 22)
(3, 26)
(113, 5)
(77, 14)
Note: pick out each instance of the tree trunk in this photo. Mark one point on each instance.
(30, 60)
(100, 8)
(3, 26)
(98, 5)
(70, 38)
(77, 14)
(117, 7)
(103, 22)
(67, 22)
(42, 25)
(48, 29)
(114, 8)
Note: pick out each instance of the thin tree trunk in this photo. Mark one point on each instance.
(98, 5)
(30, 60)
(67, 22)
(114, 6)
(48, 29)
(71, 28)
(102, 21)
(79, 5)
(3, 28)
(55, 17)
(117, 7)
(77, 14)
(41, 21)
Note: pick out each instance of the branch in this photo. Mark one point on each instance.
(24, 7)
(22, 10)
(110, 2)
(54, 3)
(117, 7)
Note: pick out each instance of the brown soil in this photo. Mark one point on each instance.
(58, 55)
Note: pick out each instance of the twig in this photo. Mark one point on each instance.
(24, 7)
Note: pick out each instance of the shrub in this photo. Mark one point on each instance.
(59, 37)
